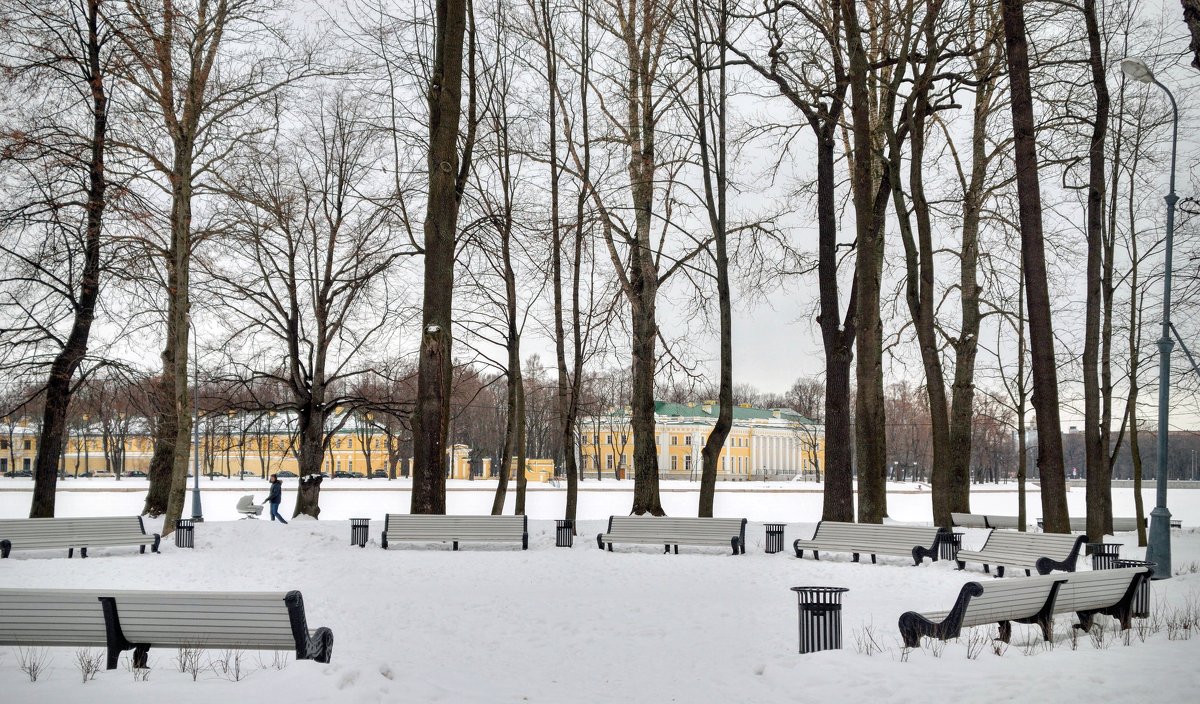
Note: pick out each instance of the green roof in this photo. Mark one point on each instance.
(682, 410)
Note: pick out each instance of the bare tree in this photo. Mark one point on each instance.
(190, 114)
(1041, 334)
(307, 258)
(59, 144)
(447, 180)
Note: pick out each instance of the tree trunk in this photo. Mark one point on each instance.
(431, 416)
(1191, 17)
(1041, 332)
(51, 442)
(838, 339)
(1099, 477)
(645, 455)
(713, 161)
(870, 439)
(312, 456)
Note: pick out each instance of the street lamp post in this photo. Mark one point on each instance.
(1158, 549)
(197, 510)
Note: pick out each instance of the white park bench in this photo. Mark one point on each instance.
(1032, 600)
(138, 620)
(917, 542)
(673, 531)
(1121, 524)
(434, 528)
(1044, 552)
(71, 533)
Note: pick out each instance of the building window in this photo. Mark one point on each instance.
(674, 463)
(3, 444)
(687, 463)
(586, 438)
(608, 439)
(674, 439)
(608, 461)
(687, 440)
(28, 444)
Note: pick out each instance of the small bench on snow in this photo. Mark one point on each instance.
(138, 620)
(917, 542)
(433, 528)
(1121, 524)
(1032, 600)
(1044, 552)
(71, 533)
(979, 520)
(670, 531)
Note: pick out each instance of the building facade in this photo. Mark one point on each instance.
(764, 443)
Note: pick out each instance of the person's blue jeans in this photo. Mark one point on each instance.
(275, 513)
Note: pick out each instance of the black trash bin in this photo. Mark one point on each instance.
(358, 531)
(565, 535)
(1104, 555)
(820, 618)
(1141, 600)
(949, 546)
(185, 536)
(774, 537)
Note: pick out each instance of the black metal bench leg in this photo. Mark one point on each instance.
(5, 548)
(455, 544)
(873, 560)
(1005, 631)
(82, 553)
(70, 552)
(999, 570)
(141, 655)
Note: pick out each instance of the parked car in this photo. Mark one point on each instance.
(136, 474)
(379, 474)
(26, 473)
(286, 474)
(342, 474)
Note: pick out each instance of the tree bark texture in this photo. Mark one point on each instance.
(713, 161)
(1191, 17)
(1041, 332)
(868, 197)
(52, 439)
(1095, 437)
(431, 417)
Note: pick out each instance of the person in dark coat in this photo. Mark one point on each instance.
(275, 497)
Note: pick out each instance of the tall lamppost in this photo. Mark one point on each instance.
(197, 511)
(1158, 550)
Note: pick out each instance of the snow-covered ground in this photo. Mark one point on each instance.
(496, 624)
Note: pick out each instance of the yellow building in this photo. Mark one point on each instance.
(763, 442)
(249, 445)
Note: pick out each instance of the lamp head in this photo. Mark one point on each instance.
(1137, 70)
